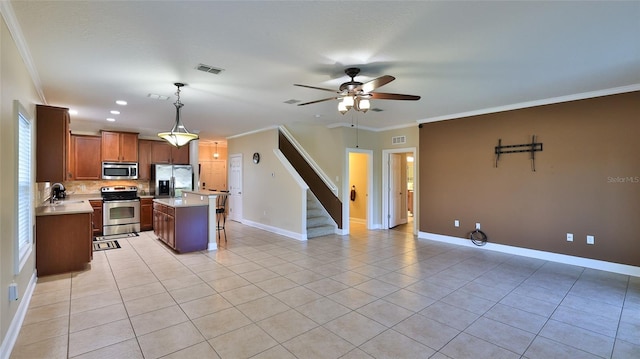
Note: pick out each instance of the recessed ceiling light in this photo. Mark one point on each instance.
(114, 112)
(111, 119)
(121, 102)
(73, 112)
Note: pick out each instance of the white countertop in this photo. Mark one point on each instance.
(205, 192)
(182, 202)
(66, 206)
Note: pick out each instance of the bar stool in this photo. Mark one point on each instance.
(221, 214)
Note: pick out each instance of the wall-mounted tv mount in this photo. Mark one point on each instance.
(532, 148)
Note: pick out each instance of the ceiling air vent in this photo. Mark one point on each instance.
(292, 101)
(209, 69)
(398, 140)
(375, 109)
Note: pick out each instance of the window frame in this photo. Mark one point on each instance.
(23, 249)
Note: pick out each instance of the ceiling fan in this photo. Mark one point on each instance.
(357, 94)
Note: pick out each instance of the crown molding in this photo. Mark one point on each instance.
(10, 19)
(547, 101)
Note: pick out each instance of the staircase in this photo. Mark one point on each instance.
(319, 223)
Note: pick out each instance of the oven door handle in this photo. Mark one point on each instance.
(121, 201)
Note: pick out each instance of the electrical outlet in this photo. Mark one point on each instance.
(591, 240)
(477, 225)
(569, 237)
(456, 223)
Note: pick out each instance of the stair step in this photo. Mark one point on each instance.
(318, 221)
(314, 232)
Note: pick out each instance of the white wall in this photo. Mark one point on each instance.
(15, 84)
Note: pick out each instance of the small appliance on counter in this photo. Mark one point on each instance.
(59, 192)
(171, 180)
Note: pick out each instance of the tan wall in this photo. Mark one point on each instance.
(270, 195)
(15, 84)
(587, 179)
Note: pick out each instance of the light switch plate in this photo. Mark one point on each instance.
(456, 223)
(569, 237)
(477, 225)
(591, 240)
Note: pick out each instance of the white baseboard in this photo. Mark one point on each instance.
(276, 230)
(533, 253)
(16, 323)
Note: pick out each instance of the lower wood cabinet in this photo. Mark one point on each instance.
(96, 225)
(184, 229)
(146, 214)
(63, 243)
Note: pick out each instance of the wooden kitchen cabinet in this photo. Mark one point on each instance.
(144, 159)
(180, 156)
(119, 146)
(146, 214)
(97, 217)
(63, 243)
(84, 158)
(184, 229)
(52, 143)
(162, 152)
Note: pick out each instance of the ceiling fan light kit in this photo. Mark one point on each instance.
(357, 95)
(179, 135)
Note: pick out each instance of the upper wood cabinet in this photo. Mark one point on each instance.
(119, 146)
(144, 159)
(52, 143)
(84, 158)
(162, 152)
(180, 156)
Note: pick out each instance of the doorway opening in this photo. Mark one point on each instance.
(399, 189)
(357, 201)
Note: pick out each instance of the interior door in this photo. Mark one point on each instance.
(394, 189)
(235, 188)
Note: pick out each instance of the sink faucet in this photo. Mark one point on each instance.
(52, 195)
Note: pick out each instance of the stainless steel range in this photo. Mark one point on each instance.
(120, 210)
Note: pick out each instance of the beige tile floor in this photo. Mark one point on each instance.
(372, 294)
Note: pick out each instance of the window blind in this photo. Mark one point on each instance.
(25, 200)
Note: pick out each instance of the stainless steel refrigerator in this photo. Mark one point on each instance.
(171, 180)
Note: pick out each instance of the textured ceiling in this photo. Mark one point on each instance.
(458, 56)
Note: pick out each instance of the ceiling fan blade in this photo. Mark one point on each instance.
(316, 101)
(393, 96)
(316, 88)
(375, 83)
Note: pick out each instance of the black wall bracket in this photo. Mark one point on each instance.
(532, 148)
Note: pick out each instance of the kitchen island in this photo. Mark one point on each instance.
(212, 198)
(63, 236)
(181, 223)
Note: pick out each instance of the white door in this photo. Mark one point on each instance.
(394, 189)
(235, 188)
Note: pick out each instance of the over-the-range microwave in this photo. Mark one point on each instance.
(119, 170)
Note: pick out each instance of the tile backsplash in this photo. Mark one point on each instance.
(91, 187)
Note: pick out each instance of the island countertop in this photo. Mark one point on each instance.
(207, 193)
(182, 202)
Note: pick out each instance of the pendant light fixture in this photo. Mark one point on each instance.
(215, 154)
(179, 135)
